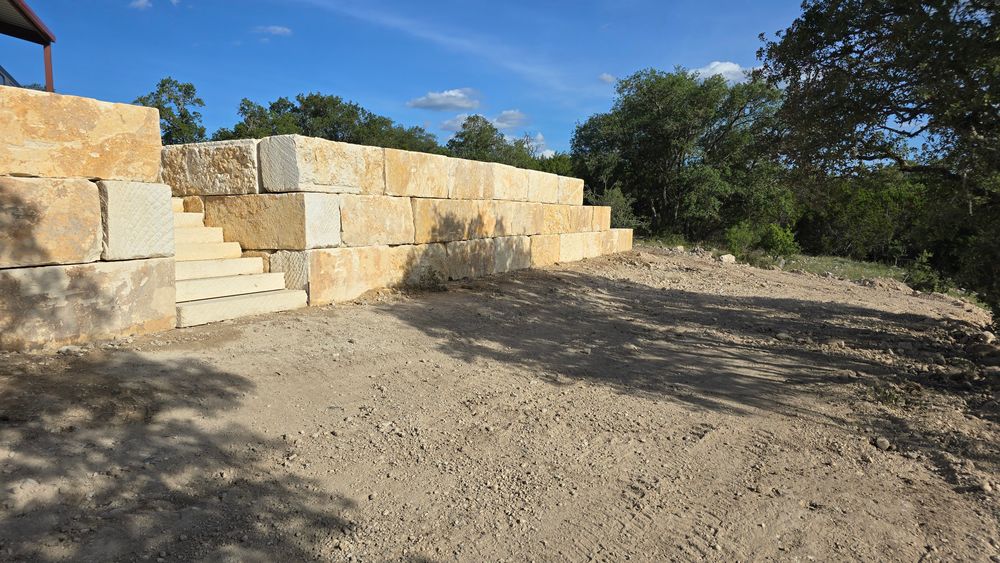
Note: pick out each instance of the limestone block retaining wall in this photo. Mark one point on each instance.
(342, 219)
(86, 232)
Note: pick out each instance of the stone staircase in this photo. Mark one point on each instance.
(214, 281)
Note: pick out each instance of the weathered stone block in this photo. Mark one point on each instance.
(602, 218)
(623, 239)
(214, 168)
(543, 187)
(570, 191)
(426, 265)
(51, 306)
(577, 246)
(511, 253)
(510, 183)
(416, 174)
(444, 220)
(518, 218)
(341, 274)
(138, 220)
(58, 136)
(48, 221)
(264, 255)
(193, 204)
(544, 250)
(293, 163)
(470, 179)
(567, 219)
(368, 220)
(294, 221)
(471, 258)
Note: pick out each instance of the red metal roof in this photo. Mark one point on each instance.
(18, 20)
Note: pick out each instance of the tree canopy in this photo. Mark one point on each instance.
(180, 122)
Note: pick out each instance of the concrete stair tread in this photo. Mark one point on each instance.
(207, 251)
(185, 235)
(197, 269)
(205, 311)
(224, 286)
(177, 204)
(182, 219)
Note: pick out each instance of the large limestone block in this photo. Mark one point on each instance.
(511, 253)
(577, 246)
(294, 221)
(444, 220)
(293, 163)
(544, 250)
(471, 258)
(138, 220)
(518, 218)
(510, 183)
(623, 239)
(51, 306)
(426, 265)
(543, 187)
(567, 219)
(368, 220)
(341, 274)
(58, 136)
(570, 191)
(470, 179)
(48, 221)
(602, 218)
(215, 168)
(417, 174)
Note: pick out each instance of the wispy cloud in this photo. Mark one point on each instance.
(508, 119)
(540, 147)
(607, 78)
(140, 4)
(458, 98)
(731, 71)
(272, 30)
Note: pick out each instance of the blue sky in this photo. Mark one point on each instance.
(535, 68)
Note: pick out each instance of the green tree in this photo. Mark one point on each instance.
(180, 122)
(480, 139)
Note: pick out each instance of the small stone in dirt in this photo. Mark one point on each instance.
(65, 350)
(882, 443)
(835, 343)
(727, 259)
(784, 336)
(372, 496)
(678, 249)
(989, 337)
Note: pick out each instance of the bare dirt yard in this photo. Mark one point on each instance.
(649, 406)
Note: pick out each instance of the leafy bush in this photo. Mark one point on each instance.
(623, 215)
(920, 275)
(771, 239)
(741, 238)
(778, 241)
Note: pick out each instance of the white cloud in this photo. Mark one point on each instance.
(607, 78)
(273, 30)
(140, 4)
(455, 123)
(731, 71)
(457, 98)
(509, 118)
(540, 147)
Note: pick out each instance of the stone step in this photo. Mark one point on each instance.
(188, 220)
(210, 288)
(205, 311)
(207, 251)
(218, 268)
(198, 234)
(177, 204)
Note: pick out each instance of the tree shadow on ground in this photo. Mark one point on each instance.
(116, 457)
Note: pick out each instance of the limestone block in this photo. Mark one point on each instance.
(341, 274)
(214, 168)
(416, 174)
(368, 220)
(543, 187)
(138, 220)
(264, 255)
(51, 306)
(511, 253)
(194, 204)
(544, 250)
(293, 163)
(577, 246)
(58, 136)
(602, 218)
(570, 191)
(470, 179)
(518, 218)
(48, 221)
(471, 258)
(426, 265)
(567, 219)
(444, 220)
(623, 239)
(510, 183)
(609, 241)
(294, 221)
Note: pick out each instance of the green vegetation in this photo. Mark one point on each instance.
(845, 268)
(179, 121)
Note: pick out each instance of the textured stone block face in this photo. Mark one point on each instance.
(518, 218)
(471, 258)
(602, 218)
(544, 250)
(51, 306)
(623, 239)
(57, 136)
(341, 274)
(138, 220)
(470, 179)
(193, 204)
(215, 168)
(510, 183)
(511, 253)
(444, 220)
(543, 187)
(373, 220)
(48, 221)
(570, 191)
(567, 219)
(426, 265)
(416, 174)
(577, 246)
(293, 163)
(294, 221)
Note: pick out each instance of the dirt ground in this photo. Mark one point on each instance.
(649, 406)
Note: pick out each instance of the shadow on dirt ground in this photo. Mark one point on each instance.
(113, 458)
